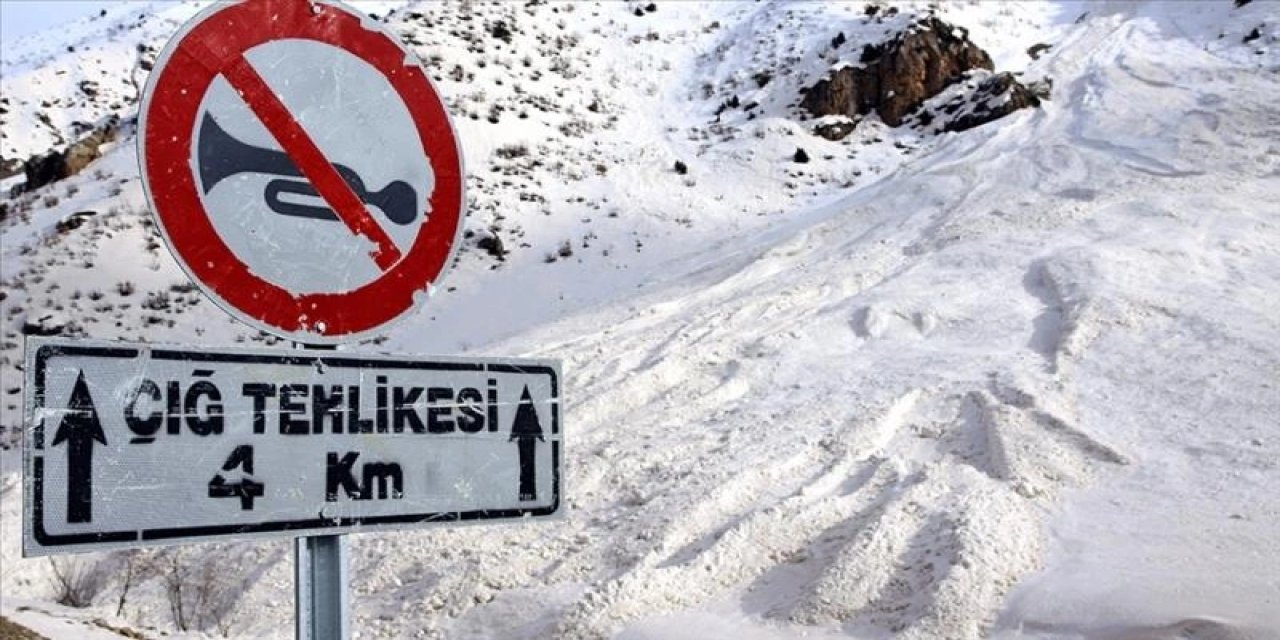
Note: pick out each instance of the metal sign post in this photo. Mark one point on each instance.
(321, 579)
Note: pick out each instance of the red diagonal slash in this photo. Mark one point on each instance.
(309, 159)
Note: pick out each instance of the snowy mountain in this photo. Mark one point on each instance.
(1019, 380)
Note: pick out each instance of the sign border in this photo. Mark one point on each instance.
(290, 310)
(41, 350)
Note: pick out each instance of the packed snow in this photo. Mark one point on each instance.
(1020, 381)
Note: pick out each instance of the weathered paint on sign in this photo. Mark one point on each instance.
(302, 167)
(134, 444)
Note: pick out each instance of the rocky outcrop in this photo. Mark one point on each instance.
(57, 165)
(834, 127)
(894, 78)
(51, 324)
(995, 97)
(978, 98)
(89, 148)
(45, 169)
(9, 167)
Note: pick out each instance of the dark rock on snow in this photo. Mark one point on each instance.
(57, 165)
(1036, 49)
(46, 169)
(896, 76)
(9, 167)
(44, 326)
(501, 31)
(892, 79)
(988, 102)
(74, 221)
(493, 245)
(835, 130)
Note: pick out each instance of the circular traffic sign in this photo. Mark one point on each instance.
(302, 167)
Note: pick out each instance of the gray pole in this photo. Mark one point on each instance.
(322, 604)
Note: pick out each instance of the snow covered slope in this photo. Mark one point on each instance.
(1020, 381)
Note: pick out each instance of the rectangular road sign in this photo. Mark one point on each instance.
(132, 444)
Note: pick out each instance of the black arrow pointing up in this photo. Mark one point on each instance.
(79, 428)
(525, 429)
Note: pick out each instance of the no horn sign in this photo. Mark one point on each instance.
(302, 167)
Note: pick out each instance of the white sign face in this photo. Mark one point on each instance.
(262, 206)
(302, 167)
(132, 445)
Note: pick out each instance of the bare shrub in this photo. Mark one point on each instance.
(512, 151)
(135, 566)
(77, 580)
(201, 589)
(156, 301)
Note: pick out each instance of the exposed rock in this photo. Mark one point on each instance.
(501, 31)
(74, 221)
(89, 148)
(681, 168)
(493, 245)
(53, 324)
(1036, 49)
(1042, 88)
(895, 77)
(9, 167)
(994, 97)
(834, 128)
(42, 170)
(80, 128)
(801, 156)
(57, 165)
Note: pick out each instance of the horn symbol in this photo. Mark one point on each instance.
(221, 156)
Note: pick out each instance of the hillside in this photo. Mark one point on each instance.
(1019, 380)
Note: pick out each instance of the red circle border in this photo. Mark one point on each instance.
(169, 120)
